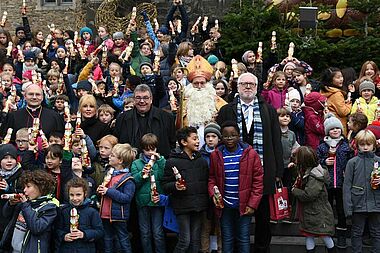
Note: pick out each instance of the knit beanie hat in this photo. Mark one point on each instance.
(375, 128)
(367, 85)
(63, 47)
(289, 64)
(20, 28)
(85, 29)
(244, 58)
(146, 64)
(164, 30)
(212, 128)
(36, 51)
(212, 59)
(27, 74)
(294, 94)
(8, 149)
(118, 35)
(331, 122)
(85, 85)
(29, 55)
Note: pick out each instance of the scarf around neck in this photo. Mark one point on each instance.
(257, 142)
(5, 174)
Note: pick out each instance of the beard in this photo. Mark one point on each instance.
(200, 105)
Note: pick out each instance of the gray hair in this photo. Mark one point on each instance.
(143, 88)
(256, 80)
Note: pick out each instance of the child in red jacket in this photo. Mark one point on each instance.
(236, 187)
(314, 118)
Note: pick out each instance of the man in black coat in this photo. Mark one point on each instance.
(268, 147)
(131, 125)
(50, 121)
(144, 118)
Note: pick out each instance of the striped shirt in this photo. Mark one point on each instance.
(231, 174)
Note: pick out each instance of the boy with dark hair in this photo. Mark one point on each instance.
(150, 210)
(236, 186)
(185, 178)
(56, 138)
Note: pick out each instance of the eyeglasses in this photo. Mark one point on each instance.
(141, 98)
(21, 141)
(230, 137)
(246, 84)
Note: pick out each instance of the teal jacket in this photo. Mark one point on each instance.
(143, 192)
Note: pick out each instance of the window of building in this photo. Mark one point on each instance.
(55, 4)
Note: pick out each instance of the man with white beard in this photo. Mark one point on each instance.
(200, 104)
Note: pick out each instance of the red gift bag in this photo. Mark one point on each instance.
(279, 204)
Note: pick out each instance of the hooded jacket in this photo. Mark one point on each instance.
(314, 118)
(90, 224)
(39, 216)
(369, 109)
(337, 105)
(358, 196)
(316, 213)
(195, 173)
(275, 97)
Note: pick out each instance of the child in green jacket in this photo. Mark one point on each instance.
(147, 172)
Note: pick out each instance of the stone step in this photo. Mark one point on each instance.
(283, 244)
(296, 244)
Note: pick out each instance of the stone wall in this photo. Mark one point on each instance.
(82, 12)
(64, 16)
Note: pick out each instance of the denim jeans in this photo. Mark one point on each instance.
(234, 227)
(150, 220)
(189, 237)
(358, 222)
(118, 228)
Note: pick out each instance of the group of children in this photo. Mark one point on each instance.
(329, 136)
(34, 219)
(337, 134)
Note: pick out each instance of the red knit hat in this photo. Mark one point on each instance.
(28, 75)
(374, 127)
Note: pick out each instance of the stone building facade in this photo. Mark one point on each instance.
(73, 14)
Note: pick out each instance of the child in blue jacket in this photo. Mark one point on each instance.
(334, 153)
(78, 234)
(117, 191)
(33, 213)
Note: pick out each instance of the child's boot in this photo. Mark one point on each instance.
(341, 234)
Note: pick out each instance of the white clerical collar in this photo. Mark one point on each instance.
(33, 109)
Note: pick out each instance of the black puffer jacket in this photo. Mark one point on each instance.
(195, 172)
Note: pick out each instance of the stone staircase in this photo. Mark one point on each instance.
(285, 239)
